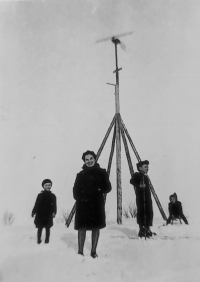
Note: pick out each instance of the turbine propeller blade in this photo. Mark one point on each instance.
(115, 36)
(123, 46)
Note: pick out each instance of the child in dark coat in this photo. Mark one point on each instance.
(140, 181)
(175, 209)
(45, 210)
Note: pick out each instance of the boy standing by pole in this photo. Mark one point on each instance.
(143, 199)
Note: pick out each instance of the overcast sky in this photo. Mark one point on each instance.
(55, 103)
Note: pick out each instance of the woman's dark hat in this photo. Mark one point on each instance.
(46, 181)
(141, 163)
(89, 153)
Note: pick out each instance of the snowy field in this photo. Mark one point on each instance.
(172, 256)
(55, 104)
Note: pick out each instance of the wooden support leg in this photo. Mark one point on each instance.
(150, 184)
(130, 140)
(111, 156)
(157, 200)
(70, 217)
(106, 137)
(127, 151)
(112, 151)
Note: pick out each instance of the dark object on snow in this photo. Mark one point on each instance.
(144, 232)
(143, 213)
(175, 210)
(45, 209)
(69, 219)
(89, 188)
(93, 254)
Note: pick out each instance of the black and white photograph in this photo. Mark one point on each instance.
(99, 140)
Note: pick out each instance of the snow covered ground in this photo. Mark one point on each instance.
(172, 256)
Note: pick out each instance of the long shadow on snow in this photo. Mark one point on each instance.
(72, 240)
(130, 233)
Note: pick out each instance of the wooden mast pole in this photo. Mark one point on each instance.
(118, 139)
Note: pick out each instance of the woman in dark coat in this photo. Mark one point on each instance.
(45, 210)
(89, 188)
(143, 199)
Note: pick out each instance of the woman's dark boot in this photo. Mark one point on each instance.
(94, 254)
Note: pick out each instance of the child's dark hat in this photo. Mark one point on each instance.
(46, 181)
(173, 196)
(141, 163)
(89, 153)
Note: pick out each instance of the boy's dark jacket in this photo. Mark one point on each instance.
(44, 208)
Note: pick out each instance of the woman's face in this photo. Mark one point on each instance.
(89, 160)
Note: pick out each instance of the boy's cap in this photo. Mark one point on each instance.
(46, 181)
(173, 196)
(142, 163)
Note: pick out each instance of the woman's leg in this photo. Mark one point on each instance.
(47, 234)
(81, 240)
(39, 235)
(95, 238)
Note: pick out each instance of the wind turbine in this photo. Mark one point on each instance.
(115, 40)
(119, 130)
